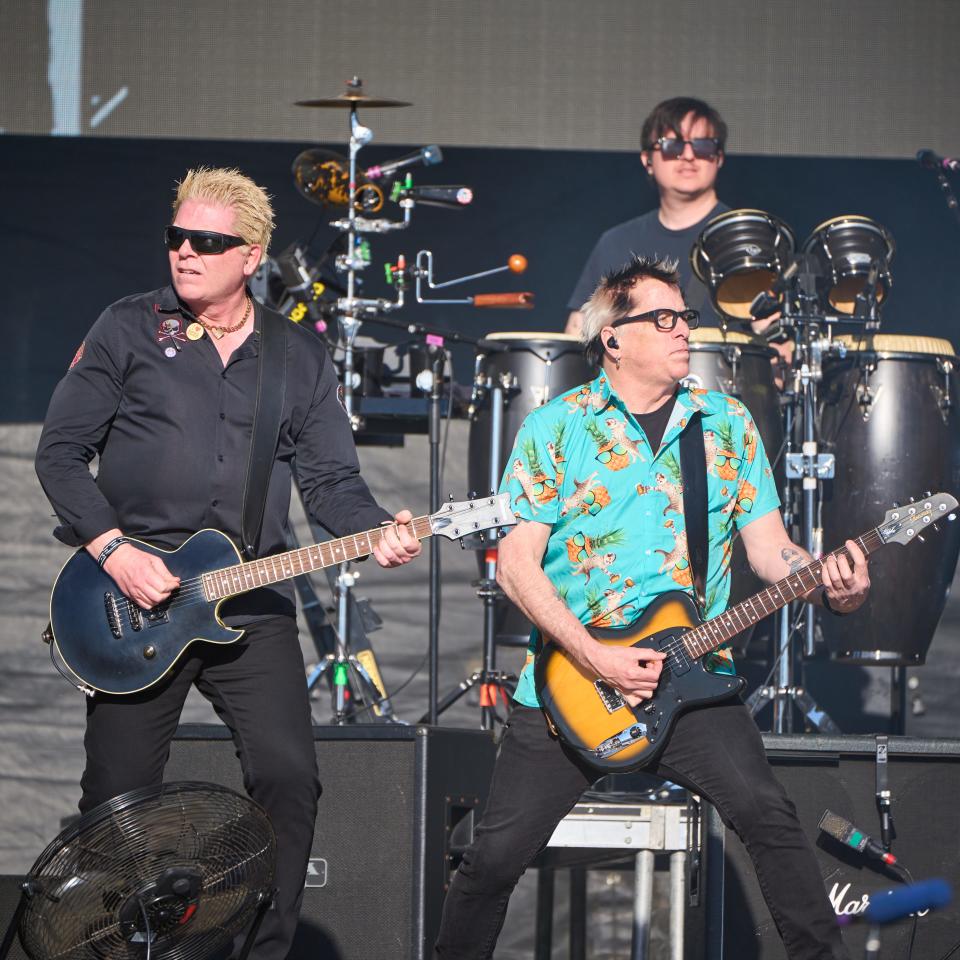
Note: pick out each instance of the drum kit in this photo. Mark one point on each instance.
(855, 420)
(861, 420)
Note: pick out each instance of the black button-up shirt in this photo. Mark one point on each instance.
(173, 436)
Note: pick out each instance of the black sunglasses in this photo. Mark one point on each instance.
(704, 148)
(202, 241)
(664, 318)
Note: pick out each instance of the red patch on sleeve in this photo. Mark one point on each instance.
(78, 356)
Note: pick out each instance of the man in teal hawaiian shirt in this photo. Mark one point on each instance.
(594, 478)
(617, 534)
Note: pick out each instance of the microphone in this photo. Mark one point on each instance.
(428, 156)
(768, 302)
(932, 161)
(844, 831)
(452, 197)
(899, 903)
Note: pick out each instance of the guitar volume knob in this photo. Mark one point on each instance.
(149, 651)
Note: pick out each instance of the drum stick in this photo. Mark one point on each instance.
(521, 301)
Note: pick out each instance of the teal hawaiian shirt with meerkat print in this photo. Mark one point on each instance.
(582, 465)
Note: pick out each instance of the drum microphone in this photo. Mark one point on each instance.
(932, 161)
(768, 302)
(428, 156)
(844, 831)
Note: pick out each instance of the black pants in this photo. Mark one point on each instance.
(715, 751)
(259, 690)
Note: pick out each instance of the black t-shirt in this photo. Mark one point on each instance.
(654, 424)
(647, 236)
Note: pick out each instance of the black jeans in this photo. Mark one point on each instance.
(258, 688)
(715, 751)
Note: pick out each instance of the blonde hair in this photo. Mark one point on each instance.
(611, 300)
(228, 187)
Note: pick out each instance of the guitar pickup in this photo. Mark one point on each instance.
(113, 615)
(626, 737)
(609, 697)
(156, 616)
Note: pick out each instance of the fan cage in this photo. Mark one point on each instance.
(131, 850)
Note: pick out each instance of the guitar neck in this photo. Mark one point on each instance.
(229, 581)
(714, 633)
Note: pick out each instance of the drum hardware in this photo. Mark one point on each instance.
(319, 177)
(493, 683)
(944, 394)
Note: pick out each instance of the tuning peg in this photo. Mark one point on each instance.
(463, 546)
(921, 538)
(450, 497)
(896, 504)
(482, 537)
(935, 527)
(929, 493)
(471, 495)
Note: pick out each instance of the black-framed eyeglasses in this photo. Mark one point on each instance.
(664, 318)
(202, 241)
(704, 148)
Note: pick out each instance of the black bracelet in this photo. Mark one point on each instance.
(109, 548)
(825, 600)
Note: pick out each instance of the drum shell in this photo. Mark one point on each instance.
(742, 369)
(845, 248)
(740, 254)
(905, 445)
(543, 367)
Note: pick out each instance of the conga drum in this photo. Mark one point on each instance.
(890, 412)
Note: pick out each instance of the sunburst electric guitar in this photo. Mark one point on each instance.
(612, 736)
(111, 645)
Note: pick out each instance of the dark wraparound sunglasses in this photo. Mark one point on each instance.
(664, 318)
(202, 241)
(704, 148)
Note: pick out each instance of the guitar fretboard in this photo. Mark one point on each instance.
(229, 581)
(712, 634)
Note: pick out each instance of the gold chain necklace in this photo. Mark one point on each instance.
(220, 332)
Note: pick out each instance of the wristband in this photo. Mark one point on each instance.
(825, 600)
(109, 548)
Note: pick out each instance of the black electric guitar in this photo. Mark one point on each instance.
(612, 736)
(111, 645)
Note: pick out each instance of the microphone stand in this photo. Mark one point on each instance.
(435, 339)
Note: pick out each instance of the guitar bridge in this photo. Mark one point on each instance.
(113, 615)
(626, 737)
(610, 697)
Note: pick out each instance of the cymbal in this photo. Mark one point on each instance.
(352, 98)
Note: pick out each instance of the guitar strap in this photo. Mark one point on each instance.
(271, 388)
(693, 473)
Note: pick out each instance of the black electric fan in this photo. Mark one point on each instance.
(172, 872)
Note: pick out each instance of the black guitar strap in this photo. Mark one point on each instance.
(271, 388)
(693, 472)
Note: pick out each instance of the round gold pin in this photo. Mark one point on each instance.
(194, 331)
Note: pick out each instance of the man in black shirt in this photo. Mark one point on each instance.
(682, 151)
(164, 389)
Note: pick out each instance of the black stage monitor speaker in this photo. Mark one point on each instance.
(399, 804)
(840, 774)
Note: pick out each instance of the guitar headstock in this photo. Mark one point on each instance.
(458, 519)
(903, 524)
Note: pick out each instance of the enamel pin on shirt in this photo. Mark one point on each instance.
(169, 330)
